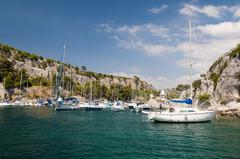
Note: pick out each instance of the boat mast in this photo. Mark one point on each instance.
(41, 86)
(4, 87)
(190, 53)
(91, 98)
(63, 62)
(21, 82)
(27, 89)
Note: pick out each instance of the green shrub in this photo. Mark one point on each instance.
(83, 68)
(219, 60)
(235, 52)
(43, 65)
(50, 61)
(203, 97)
(39, 80)
(33, 57)
(173, 95)
(5, 50)
(5, 67)
(238, 100)
(9, 81)
(214, 77)
(222, 67)
(182, 87)
(197, 83)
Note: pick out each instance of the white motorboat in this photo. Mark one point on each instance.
(117, 106)
(132, 105)
(137, 108)
(182, 115)
(93, 107)
(65, 106)
(146, 107)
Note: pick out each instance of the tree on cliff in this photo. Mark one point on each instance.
(9, 81)
(5, 67)
(83, 68)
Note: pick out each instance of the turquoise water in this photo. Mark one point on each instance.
(44, 133)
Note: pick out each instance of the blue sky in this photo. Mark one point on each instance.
(147, 38)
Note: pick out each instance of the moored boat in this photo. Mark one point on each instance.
(64, 107)
(93, 107)
(182, 115)
(131, 105)
(117, 106)
(5, 103)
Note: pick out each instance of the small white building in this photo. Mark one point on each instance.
(163, 95)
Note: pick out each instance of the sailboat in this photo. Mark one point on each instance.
(60, 104)
(183, 114)
(92, 106)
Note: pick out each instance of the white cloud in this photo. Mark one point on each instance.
(134, 37)
(105, 27)
(213, 11)
(157, 10)
(221, 30)
(214, 41)
(210, 41)
(129, 29)
(132, 30)
(142, 46)
(208, 10)
(205, 53)
(235, 10)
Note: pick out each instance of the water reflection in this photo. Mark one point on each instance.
(12, 113)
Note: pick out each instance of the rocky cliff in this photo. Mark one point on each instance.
(36, 66)
(220, 85)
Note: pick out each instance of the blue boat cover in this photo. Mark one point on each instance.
(187, 101)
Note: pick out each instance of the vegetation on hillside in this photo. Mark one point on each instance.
(182, 87)
(13, 77)
(235, 52)
(214, 77)
(197, 83)
(204, 97)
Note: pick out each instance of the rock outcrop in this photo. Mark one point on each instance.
(221, 83)
(38, 66)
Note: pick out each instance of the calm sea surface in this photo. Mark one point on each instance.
(44, 133)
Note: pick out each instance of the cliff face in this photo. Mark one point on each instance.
(221, 84)
(38, 66)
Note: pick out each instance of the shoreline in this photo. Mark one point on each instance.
(227, 114)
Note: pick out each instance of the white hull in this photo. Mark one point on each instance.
(117, 108)
(147, 112)
(187, 117)
(5, 104)
(137, 109)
